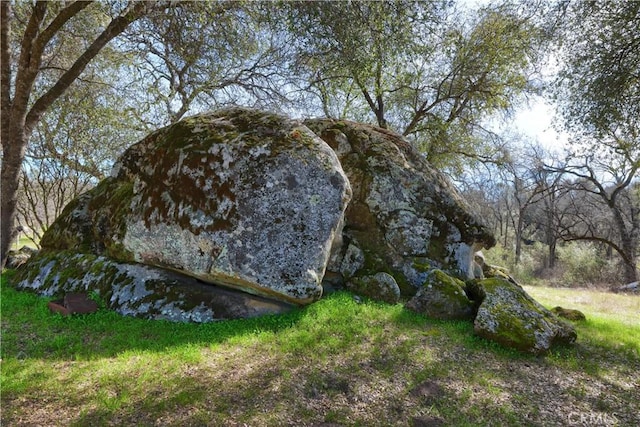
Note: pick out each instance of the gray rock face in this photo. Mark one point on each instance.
(510, 317)
(261, 204)
(242, 198)
(405, 217)
(140, 290)
(442, 297)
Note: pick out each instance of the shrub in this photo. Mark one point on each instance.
(579, 264)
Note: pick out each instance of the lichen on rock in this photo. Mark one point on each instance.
(379, 287)
(403, 211)
(266, 205)
(238, 197)
(139, 290)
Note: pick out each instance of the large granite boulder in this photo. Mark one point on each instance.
(405, 217)
(509, 316)
(241, 198)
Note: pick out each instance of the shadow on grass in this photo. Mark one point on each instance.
(29, 329)
(313, 364)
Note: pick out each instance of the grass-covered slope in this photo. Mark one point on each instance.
(337, 361)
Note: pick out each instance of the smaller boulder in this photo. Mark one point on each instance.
(569, 314)
(442, 297)
(478, 265)
(510, 317)
(380, 287)
(629, 287)
(352, 261)
(15, 259)
(490, 271)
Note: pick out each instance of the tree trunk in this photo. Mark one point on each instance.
(18, 120)
(629, 245)
(552, 253)
(518, 238)
(506, 234)
(630, 260)
(13, 154)
(551, 240)
(630, 272)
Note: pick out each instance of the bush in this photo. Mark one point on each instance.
(579, 264)
(586, 266)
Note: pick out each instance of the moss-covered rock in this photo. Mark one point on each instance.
(380, 287)
(510, 317)
(139, 290)
(403, 213)
(442, 297)
(569, 314)
(256, 202)
(241, 198)
(17, 258)
(94, 222)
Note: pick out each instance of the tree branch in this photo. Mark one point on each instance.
(115, 27)
(58, 22)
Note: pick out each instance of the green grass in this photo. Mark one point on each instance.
(613, 320)
(336, 361)
(23, 241)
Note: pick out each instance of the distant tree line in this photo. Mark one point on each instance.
(535, 197)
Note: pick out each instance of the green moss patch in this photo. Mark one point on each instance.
(442, 297)
(510, 317)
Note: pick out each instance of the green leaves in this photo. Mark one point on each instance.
(599, 85)
(428, 70)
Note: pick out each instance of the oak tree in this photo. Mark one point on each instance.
(29, 39)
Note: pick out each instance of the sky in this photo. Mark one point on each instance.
(535, 120)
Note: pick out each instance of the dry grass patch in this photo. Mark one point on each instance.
(624, 308)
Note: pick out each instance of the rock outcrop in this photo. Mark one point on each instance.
(240, 198)
(405, 217)
(240, 213)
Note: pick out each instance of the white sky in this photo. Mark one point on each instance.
(536, 122)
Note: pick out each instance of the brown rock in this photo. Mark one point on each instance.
(57, 306)
(80, 303)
